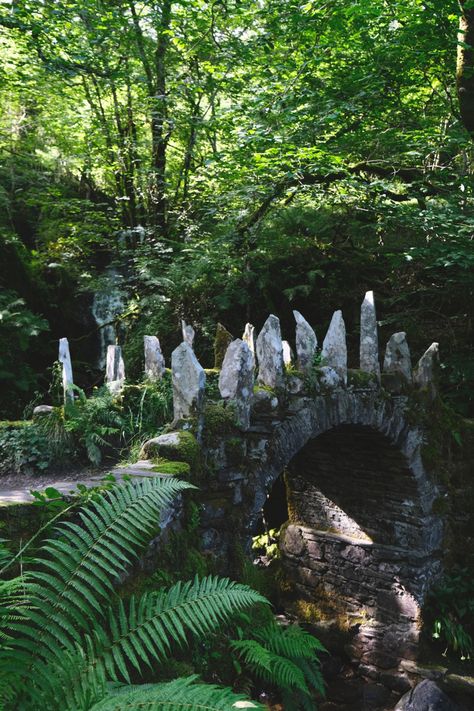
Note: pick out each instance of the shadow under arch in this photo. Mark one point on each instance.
(362, 543)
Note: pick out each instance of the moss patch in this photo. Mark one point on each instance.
(219, 420)
(166, 466)
(360, 379)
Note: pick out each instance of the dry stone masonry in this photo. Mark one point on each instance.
(361, 543)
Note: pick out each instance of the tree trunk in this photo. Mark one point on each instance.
(465, 66)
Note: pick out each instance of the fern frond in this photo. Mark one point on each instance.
(278, 670)
(177, 695)
(145, 633)
(69, 594)
(291, 641)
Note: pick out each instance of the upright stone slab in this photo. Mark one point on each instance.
(115, 369)
(424, 375)
(188, 333)
(270, 353)
(249, 338)
(369, 342)
(65, 360)
(397, 361)
(154, 359)
(306, 343)
(334, 351)
(189, 382)
(287, 354)
(236, 380)
(222, 341)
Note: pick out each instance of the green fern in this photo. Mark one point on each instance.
(286, 657)
(75, 638)
(178, 695)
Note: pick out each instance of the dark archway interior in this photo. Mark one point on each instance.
(351, 480)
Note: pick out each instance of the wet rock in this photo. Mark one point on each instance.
(427, 696)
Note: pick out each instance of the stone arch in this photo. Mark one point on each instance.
(379, 573)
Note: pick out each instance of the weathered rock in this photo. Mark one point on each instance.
(188, 333)
(249, 338)
(306, 343)
(115, 369)
(189, 382)
(397, 357)
(424, 375)
(329, 378)
(334, 351)
(222, 341)
(369, 344)
(236, 380)
(64, 358)
(287, 354)
(176, 446)
(270, 353)
(154, 359)
(427, 696)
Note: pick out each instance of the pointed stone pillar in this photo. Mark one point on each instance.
(270, 353)
(249, 338)
(236, 380)
(424, 375)
(188, 333)
(222, 341)
(397, 361)
(369, 342)
(189, 382)
(334, 351)
(64, 358)
(154, 359)
(306, 343)
(115, 369)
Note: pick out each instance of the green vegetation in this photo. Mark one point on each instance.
(450, 614)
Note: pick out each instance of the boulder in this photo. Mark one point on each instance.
(189, 382)
(427, 696)
(42, 410)
(154, 359)
(236, 380)
(369, 344)
(334, 351)
(270, 353)
(306, 343)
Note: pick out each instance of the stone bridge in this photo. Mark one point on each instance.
(332, 455)
(336, 456)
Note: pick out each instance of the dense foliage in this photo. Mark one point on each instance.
(231, 158)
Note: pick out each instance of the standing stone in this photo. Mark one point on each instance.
(236, 380)
(424, 375)
(287, 354)
(188, 333)
(334, 351)
(270, 353)
(154, 359)
(222, 341)
(306, 343)
(397, 359)
(369, 344)
(189, 382)
(65, 360)
(249, 338)
(115, 369)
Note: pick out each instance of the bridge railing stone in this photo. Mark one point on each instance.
(189, 382)
(154, 358)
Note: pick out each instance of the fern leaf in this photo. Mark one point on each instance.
(177, 695)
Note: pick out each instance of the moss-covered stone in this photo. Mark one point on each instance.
(219, 420)
(166, 466)
(235, 450)
(222, 341)
(360, 379)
